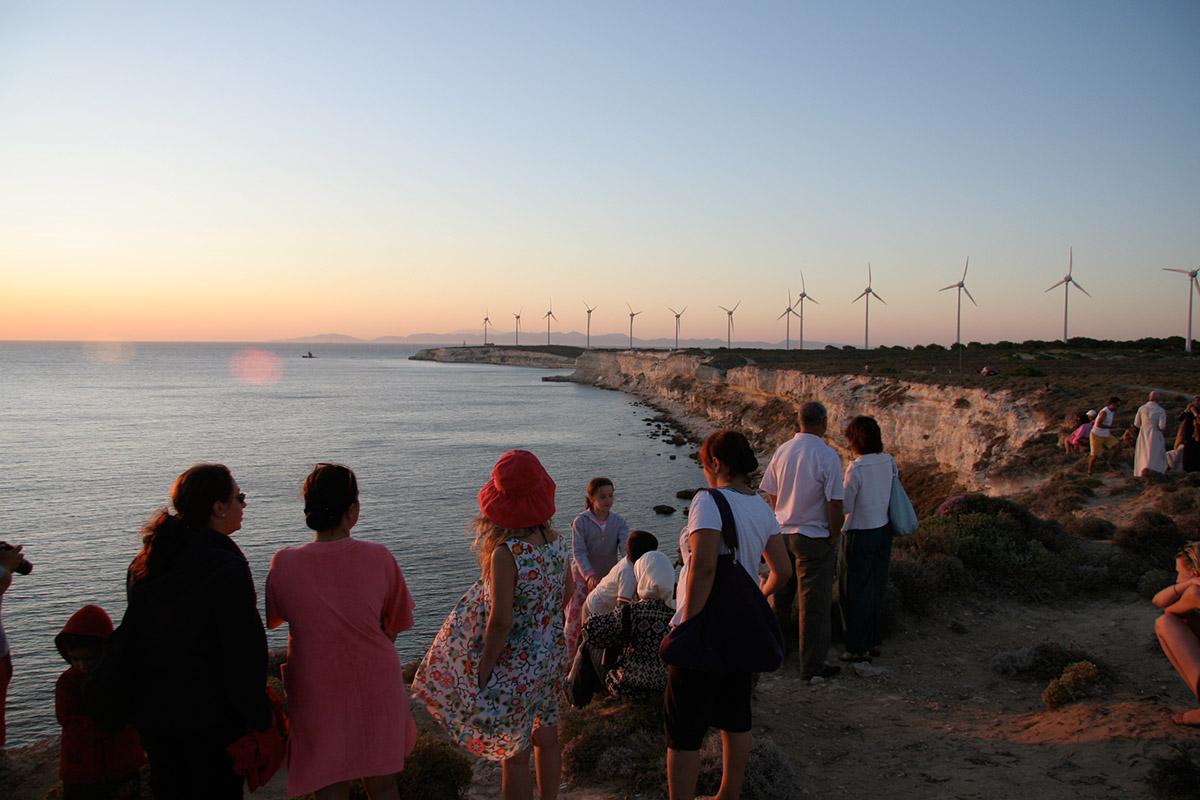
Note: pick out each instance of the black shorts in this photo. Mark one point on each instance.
(697, 700)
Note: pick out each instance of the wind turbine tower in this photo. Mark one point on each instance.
(632, 314)
(803, 296)
(787, 314)
(729, 327)
(677, 314)
(1192, 284)
(590, 309)
(549, 316)
(486, 322)
(1066, 284)
(517, 337)
(868, 293)
(962, 287)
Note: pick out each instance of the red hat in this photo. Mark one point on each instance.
(520, 493)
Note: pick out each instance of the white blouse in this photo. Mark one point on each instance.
(868, 491)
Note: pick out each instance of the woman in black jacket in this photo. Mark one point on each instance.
(199, 648)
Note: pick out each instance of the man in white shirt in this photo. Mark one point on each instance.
(1101, 440)
(803, 483)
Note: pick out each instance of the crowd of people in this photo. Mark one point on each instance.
(1094, 434)
(551, 620)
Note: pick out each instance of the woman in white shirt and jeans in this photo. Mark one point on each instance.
(867, 539)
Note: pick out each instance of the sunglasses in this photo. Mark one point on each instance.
(240, 497)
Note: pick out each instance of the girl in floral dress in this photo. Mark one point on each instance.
(494, 674)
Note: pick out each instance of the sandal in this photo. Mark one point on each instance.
(1181, 719)
(855, 658)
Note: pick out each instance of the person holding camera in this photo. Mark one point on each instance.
(11, 561)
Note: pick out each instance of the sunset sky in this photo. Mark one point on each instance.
(242, 171)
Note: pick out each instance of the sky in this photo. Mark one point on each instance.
(254, 170)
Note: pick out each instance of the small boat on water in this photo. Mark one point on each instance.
(310, 355)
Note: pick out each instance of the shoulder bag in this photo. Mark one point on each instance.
(736, 631)
(901, 514)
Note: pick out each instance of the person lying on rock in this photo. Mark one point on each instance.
(1178, 629)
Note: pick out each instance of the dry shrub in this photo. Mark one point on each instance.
(1041, 662)
(1151, 534)
(769, 772)
(1153, 582)
(1176, 776)
(928, 485)
(1077, 681)
(917, 581)
(1089, 527)
(435, 770)
(617, 740)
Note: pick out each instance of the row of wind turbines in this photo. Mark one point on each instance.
(1067, 282)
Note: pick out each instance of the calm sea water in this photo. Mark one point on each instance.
(91, 437)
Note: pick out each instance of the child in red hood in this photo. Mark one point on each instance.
(94, 765)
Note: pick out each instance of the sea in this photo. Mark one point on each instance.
(92, 435)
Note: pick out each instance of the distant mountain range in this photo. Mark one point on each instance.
(573, 338)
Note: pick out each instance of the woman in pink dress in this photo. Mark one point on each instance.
(344, 601)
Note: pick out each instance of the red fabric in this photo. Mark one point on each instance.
(258, 755)
(88, 754)
(87, 621)
(520, 493)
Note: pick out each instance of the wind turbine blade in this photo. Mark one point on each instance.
(681, 312)
(1060, 283)
(784, 314)
(726, 310)
(964, 277)
(951, 286)
(880, 299)
(735, 305)
(968, 291)
(868, 273)
(802, 287)
(1080, 288)
(673, 311)
(860, 297)
(1180, 271)
(1071, 263)
(794, 314)
(813, 300)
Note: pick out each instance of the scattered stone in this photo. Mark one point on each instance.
(664, 509)
(957, 627)
(865, 670)
(815, 680)
(685, 494)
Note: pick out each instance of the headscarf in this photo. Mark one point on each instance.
(655, 577)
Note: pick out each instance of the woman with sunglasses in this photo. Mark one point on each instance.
(1178, 629)
(198, 650)
(344, 601)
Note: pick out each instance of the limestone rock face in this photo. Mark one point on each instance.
(494, 355)
(967, 431)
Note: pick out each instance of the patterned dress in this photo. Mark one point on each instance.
(526, 684)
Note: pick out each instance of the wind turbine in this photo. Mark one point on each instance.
(677, 314)
(632, 314)
(729, 327)
(787, 314)
(589, 323)
(486, 322)
(1194, 284)
(962, 287)
(803, 296)
(867, 293)
(549, 316)
(1066, 284)
(517, 338)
